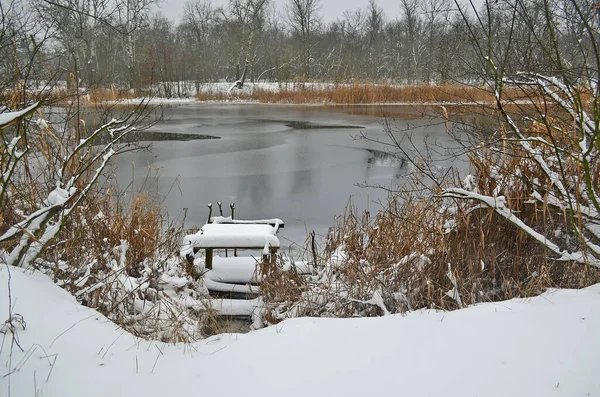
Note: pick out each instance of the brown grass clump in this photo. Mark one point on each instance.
(361, 93)
(375, 93)
(105, 222)
(403, 260)
(215, 96)
(112, 93)
(114, 255)
(277, 285)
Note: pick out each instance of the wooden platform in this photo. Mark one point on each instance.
(225, 233)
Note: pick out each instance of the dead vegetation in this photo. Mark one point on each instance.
(114, 251)
(428, 250)
(354, 93)
(120, 257)
(364, 93)
(402, 259)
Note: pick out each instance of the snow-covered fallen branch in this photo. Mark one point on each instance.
(498, 204)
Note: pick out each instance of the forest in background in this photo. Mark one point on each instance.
(121, 44)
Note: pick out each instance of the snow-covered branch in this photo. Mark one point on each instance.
(42, 226)
(12, 157)
(498, 204)
(9, 118)
(553, 87)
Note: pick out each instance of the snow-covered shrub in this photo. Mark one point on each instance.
(55, 209)
(121, 258)
(525, 219)
(60, 215)
(45, 178)
(430, 252)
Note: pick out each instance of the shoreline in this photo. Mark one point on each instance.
(193, 101)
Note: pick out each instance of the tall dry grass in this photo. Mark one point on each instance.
(113, 250)
(359, 93)
(401, 260)
(120, 257)
(355, 93)
(111, 93)
(107, 220)
(423, 250)
(366, 93)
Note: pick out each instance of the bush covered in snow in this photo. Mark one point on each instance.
(60, 214)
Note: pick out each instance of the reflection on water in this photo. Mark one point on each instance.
(380, 159)
(307, 125)
(270, 164)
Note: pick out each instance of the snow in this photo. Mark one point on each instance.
(234, 270)
(301, 267)
(169, 282)
(544, 346)
(226, 287)
(235, 307)
(276, 222)
(242, 270)
(9, 117)
(59, 196)
(152, 101)
(227, 90)
(469, 183)
(41, 123)
(231, 236)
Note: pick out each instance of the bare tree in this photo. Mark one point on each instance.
(77, 27)
(46, 170)
(246, 19)
(22, 44)
(374, 22)
(131, 17)
(303, 18)
(437, 21)
(200, 19)
(412, 27)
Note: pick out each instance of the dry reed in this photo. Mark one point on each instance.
(361, 93)
(427, 251)
(355, 93)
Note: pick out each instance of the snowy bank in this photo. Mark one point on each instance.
(544, 346)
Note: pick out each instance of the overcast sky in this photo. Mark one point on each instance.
(330, 9)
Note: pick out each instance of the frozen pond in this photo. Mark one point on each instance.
(297, 163)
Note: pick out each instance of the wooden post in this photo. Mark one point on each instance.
(209, 258)
(232, 207)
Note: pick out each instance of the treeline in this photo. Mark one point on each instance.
(121, 43)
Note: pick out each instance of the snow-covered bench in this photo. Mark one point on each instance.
(225, 233)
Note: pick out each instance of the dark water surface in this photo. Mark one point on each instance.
(297, 163)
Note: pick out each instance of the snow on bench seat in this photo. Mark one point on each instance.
(236, 307)
(224, 236)
(221, 236)
(232, 236)
(233, 274)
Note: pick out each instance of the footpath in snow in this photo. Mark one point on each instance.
(545, 346)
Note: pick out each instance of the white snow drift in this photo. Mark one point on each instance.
(545, 346)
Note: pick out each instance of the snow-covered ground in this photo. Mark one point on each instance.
(545, 346)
